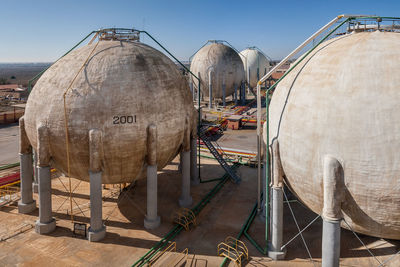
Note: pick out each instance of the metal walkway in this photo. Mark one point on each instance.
(236, 179)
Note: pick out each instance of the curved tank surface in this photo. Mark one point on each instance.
(122, 89)
(225, 65)
(255, 63)
(344, 100)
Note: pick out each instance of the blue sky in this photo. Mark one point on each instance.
(42, 30)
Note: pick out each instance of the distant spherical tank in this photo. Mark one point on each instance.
(255, 63)
(123, 88)
(225, 65)
(344, 100)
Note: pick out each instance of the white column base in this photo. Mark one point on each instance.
(25, 208)
(277, 255)
(45, 228)
(95, 236)
(152, 223)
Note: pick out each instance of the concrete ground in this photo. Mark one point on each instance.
(9, 140)
(127, 240)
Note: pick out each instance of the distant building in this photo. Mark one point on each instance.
(13, 91)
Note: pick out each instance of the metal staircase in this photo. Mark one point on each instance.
(236, 179)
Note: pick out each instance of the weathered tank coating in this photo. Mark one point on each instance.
(123, 88)
(343, 100)
(255, 64)
(225, 66)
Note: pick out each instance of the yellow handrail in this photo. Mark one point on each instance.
(171, 247)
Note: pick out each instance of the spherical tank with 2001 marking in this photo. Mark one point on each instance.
(123, 88)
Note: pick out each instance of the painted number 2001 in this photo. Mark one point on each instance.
(124, 119)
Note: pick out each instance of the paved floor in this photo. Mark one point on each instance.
(9, 140)
(127, 240)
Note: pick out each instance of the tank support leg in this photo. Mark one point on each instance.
(275, 252)
(194, 174)
(26, 204)
(223, 94)
(235, 94)
(46, 223)
(210, 91)
(243, 93)
(97, 230)
(192, 90)
(331, 214)
(152, 220)
(185, 200)
(35, 184)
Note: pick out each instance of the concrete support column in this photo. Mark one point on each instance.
(210, 94)
(235, 93)
(333, 179)
(97, 230)
(223, 91)
(35, 185)
(46, 222)
(185, 200)
(192, 90)
(194, 172)
(275, 252)
(26, 204)
(243, 93)
(330, 243)
(152, 220)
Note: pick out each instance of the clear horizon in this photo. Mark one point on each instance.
(43, 30)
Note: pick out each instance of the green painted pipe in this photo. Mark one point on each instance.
(178, 228)
(8, 166)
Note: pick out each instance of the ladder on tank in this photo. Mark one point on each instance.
(218, 156)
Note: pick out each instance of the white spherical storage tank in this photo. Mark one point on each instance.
(256, 65)
(123, 88)
(343, 100)
(222, 64)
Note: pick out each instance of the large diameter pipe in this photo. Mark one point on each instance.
(306, 42)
